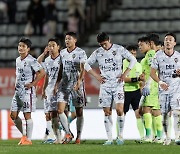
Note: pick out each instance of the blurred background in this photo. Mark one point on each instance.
(124, 20)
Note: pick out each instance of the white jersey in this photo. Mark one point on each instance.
(51, 67)
(71, 66)
(110, 62)
(166, 65)
(25, 73)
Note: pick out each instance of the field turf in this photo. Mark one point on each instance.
(87, 147)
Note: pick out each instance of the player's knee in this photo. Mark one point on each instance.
(12, 116)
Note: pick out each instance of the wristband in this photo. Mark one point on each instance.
(134, 79)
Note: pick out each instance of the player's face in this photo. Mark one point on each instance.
(105, 45)
(169, 42)
(53, 47)
(133, 52)
(143, 46)
(70, 41)
(23, 48)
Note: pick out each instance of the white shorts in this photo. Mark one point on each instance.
(78, 98)
(50, 104)
(24, 103)
(170, 100)
(108, 95)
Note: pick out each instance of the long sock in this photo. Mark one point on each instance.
(55, 126)
(169, 125)
(154, 129)
(148, 123)
(79, 125)
(140, 126)
(29, 128)
(176, 115)
(110, 119)
(158, 125)
(120, 122)
(18, 124)
(70, 119)
(64, 122)
(165, 125)
(108, 128)
(49, 128)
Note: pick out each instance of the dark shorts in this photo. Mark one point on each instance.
(133, 98)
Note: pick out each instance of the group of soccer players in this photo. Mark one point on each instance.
(64, 84)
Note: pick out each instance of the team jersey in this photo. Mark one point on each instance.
(110, 62)
(166, 65)
(71, 66)
(51, 67)
(25, 73)
(135, 72)
(146, 63)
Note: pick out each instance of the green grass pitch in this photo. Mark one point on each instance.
(87, 147)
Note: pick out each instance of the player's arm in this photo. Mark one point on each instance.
(44, 86)
(81, 77)
(39, 75)
(42, 56)
(154, 76)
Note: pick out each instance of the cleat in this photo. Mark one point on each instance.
(140, 141)
(108, 143)
(167, 141)
(119, 141)
(48, 141)
(68, 138)
(23, 138)
(27, 142)
(78, 141)
(147, 139)
(57, 142)
(177, 142)
(158, 140)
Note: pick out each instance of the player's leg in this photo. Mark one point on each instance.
(72, 114)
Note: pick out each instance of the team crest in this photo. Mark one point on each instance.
(176, 60)
(73, 56)
(114, 53)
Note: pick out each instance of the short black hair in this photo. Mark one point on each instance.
(171, 34)
(161, 43)
(26, 41)
(153, 37)
(102, 37)
(143, 39)
(55, 40)
(73, 34)
(132, 47)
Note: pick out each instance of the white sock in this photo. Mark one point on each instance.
(79, 125)
(176, 115)
(110, 119)
(18, 124)
(165, 124)
(49, 128)
(64, 122)
(55, 126)
(120, 123)
(29, 128)
(108, 127)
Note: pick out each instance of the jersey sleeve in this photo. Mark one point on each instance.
(154, 63)
(35, 65)
(83, 57)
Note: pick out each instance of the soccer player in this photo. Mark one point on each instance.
(167, 64)
(156, 113)
(150, 97)
(109, 57)
(28, 73)
(52, 65)
(132, 89)
(71, 86)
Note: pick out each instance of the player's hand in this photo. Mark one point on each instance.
(145, 91)
(163, 85)
(28, 85)
(101, 79)
(77, 85)
(121, 78)
(45, 50)
(178, 72)
(43, 94)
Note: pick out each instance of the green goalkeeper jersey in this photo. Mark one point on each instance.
(135, 72)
